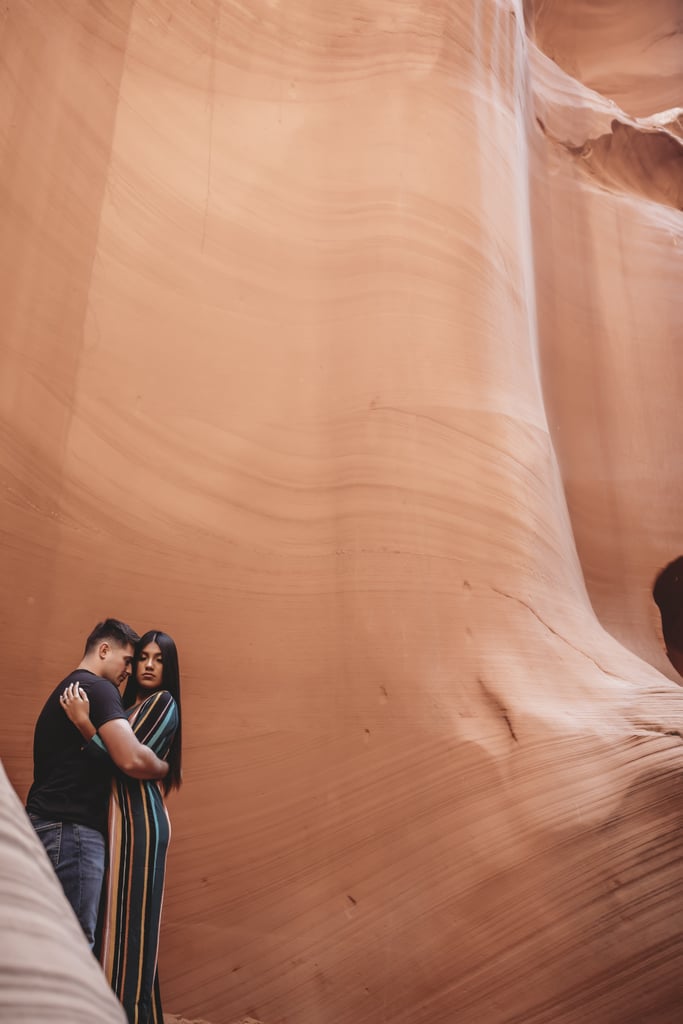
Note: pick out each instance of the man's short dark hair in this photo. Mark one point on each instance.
(117, 632)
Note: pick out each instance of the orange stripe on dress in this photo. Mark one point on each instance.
(144, 902)
(129, 879)
(113, 870)
(148, 711)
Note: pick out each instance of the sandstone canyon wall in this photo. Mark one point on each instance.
(342, 341)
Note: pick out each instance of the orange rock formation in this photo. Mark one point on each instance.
(342, 341)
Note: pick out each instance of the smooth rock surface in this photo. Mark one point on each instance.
(342, 341)
(47, 972)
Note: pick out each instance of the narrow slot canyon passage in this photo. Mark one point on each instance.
(341, 341)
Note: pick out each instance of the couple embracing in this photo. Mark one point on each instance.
(103, 763)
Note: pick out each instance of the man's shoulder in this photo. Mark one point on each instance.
(90, 682)
(104, 697)
(77, 676)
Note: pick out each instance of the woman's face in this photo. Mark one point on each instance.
(149, 672)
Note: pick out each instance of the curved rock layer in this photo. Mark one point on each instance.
(629, 51)
(47, 971)
(340, 341)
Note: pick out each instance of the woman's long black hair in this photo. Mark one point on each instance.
(171, 682)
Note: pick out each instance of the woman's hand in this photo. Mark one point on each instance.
(76, 707)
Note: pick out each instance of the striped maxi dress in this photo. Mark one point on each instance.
(139, 833)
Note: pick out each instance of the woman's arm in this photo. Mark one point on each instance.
(156, 721)
(76, 706)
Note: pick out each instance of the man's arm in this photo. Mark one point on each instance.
(130, 756)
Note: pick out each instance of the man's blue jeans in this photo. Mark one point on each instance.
(77, 855)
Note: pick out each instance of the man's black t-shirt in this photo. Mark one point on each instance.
(68, 785)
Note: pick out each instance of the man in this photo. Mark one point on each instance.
(68, 801)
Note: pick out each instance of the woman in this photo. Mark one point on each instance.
(139, 829)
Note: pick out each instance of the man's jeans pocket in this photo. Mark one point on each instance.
(50, 835)
(76, 853)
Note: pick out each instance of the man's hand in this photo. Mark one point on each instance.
(128, 754)
(76, 706)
